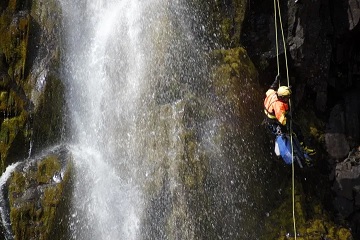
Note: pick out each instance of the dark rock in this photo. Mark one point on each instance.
(352, 117)
(323, 53)
(347, 185)
(335, 138)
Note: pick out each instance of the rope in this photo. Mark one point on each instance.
(277, 10)
(276, 40)
(284, 43)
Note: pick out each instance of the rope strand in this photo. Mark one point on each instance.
(277, 9)
(276, 40)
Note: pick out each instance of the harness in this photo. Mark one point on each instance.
(269, 114)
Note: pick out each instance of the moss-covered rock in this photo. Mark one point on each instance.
(235, 78)
(312, 220)
(35, 190)
(222, 21)
(10, 128)
(27, 29)
(14, 29)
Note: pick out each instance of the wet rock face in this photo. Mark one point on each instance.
(221, 21)
(347, 189)
(205, 154)
(29, 57)
(31, 101)
(35, 189)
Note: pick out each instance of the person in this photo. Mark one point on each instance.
(277, 111)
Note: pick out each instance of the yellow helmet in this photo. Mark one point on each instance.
(284, 91)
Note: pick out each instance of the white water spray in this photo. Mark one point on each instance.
(3, 211)
(106, 53)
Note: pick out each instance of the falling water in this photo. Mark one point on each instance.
(135, 75)
(3, 203)
(109, 53)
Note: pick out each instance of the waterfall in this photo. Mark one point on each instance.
(107, 49)
(109, 66)
(156, 155)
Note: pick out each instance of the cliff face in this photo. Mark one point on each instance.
(29, 52)
(324, 65)
(322, 39)
(31, 103)
(323, 51)
(237, 97)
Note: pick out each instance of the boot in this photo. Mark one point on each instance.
(308, 161)
(308, 150)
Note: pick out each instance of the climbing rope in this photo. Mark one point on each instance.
(278, 12)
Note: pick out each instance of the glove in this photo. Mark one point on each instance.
(275, 84)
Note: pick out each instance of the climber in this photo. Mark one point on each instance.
(276, 105)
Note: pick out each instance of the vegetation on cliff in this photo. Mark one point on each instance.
(35, 190)
(31, 103)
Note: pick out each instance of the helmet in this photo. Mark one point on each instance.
(284, 91)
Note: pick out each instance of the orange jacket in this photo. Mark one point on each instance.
(274, 108)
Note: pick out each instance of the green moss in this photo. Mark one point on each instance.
(51, 196)
(14, 43)
(17, 186)
(15, 124)
(19, 220)
(47, 168)
(51, 199)
(12, 6)
(193, 167)
(14, 30)
(236, 62)
(34, 198)
(3, 100)
(9, 130)
(235, 78)
(15, 22)
(344, 234)
(222, 19)
(312, 222)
